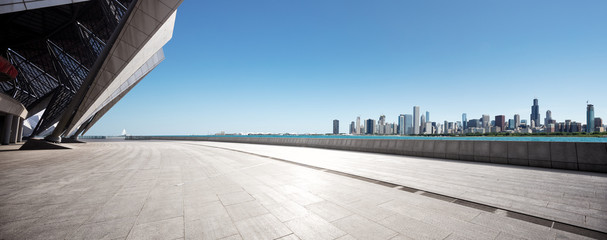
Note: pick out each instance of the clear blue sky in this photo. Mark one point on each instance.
(294, 66)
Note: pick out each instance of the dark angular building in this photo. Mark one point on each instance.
(535, 113)
(76, 59)
(335, 126)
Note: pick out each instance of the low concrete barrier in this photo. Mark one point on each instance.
(590, 157)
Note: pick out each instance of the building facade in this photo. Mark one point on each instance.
(590, 118)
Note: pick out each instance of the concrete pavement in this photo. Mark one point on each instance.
(195, 190)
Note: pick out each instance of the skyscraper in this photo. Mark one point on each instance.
(464, 121)
(500, 121)
(370, 126)
(517, 121)
(416, 118)
(358, 125)
(401, 124)
(511, 124)
(408, 124)
(485, 120)
(590, 118)
(423, 121)
(335, 126)
(548, 118)
(382, 124)
(427, 116)
(352, 128)
(535, 112)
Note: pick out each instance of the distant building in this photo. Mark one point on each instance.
(500, 121)
(428, 116)
(464, 121)
(358, 125)
(423, 121)
(590, 118)
(335, 126)
(370, 126)
(485, 121)
(401, 124)
(381, 124)
(548, 118)
(496, 129)
(408, 124)
(474, 123)
(428, 128)
(535, 112)
(352, 128)
(598, 122)
(416, 118)
(517, 121)
(511, 124)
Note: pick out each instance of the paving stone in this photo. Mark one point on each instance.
(362, 228)
(262, 227)
(113, 229)
(214, 227)
(414, 228)
(235, 197)
(313, 227)
(246, 210)
(328, 210)
(165, 229)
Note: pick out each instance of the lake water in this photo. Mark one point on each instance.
(523, 139)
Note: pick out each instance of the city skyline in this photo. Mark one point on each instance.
(288, 67)
(486, 121)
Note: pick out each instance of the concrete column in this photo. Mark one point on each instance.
(14, 129)
(6, 129)
(20, 130)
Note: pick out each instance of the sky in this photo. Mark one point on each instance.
(271, 66)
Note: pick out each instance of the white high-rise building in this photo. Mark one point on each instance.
(416, 117)
(358, 125)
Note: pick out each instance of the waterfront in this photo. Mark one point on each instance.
(507, 139)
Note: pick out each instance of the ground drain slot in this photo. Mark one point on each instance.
(516, 215)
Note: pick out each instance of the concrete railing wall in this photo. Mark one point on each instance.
(561, 155)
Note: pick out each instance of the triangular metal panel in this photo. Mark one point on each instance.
(73, 72)
(94, 44)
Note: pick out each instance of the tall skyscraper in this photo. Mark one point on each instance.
(427, 116)
(401, 124)
(370, 126)
(535, 112)
(485, 121)
(500, 121)
(335, 126)
(416, 118)
(352, 128)
(358, 125)
(408, 124)
(590, 118)
(382, 124)
(517, 121)
(548, 118)
(465, 120)
(423, 121)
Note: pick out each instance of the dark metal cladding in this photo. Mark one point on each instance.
(53, 49)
